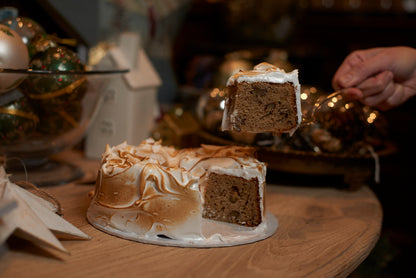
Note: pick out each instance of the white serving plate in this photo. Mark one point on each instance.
(217, 234)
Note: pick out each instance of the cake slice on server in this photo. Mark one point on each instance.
(265, 99)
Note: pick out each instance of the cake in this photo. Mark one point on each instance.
(151, 190)
(265, 99)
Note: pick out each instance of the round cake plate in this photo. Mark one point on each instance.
(218, 234)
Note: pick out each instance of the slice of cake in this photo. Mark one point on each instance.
(231, 184)
(232, 199)
(152, 190)
(265, 99)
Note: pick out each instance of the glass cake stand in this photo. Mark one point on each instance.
(43, 113)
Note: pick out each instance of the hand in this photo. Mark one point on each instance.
(379, 77)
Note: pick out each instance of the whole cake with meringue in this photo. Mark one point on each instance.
(265, 99)
(155, 192)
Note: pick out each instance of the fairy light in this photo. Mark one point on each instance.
(214, 92)
(371, 118)
(304, 96)
(179, 111)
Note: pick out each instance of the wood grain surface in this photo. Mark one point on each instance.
(323, 232)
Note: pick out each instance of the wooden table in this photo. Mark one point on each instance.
(323, 232)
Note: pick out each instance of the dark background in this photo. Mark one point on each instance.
(317, 38)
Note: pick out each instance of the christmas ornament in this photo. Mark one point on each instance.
(234, 62)
(333, 124)
(42, 44)
(28, 29)
(58, 58)
(17, 118)
(13, 55)
(58, 121)
(56, 90)
(343, 119)
(210, 108)
(308, 97)
(34, 218)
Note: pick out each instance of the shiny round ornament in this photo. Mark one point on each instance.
(42, 44)
(18, 120)
(58, 121)
(230, 67)
(56, 89)
(28, 29)
(333, 124)
(342, 118)
(308, 96)
(13, 55)
(57, 58)
(210, 109)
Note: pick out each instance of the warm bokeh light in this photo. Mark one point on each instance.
(304, 96)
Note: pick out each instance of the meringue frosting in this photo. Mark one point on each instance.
(152, 190)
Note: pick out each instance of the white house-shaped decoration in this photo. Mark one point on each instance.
(129, 104)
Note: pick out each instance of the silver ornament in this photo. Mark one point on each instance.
(13, 55)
